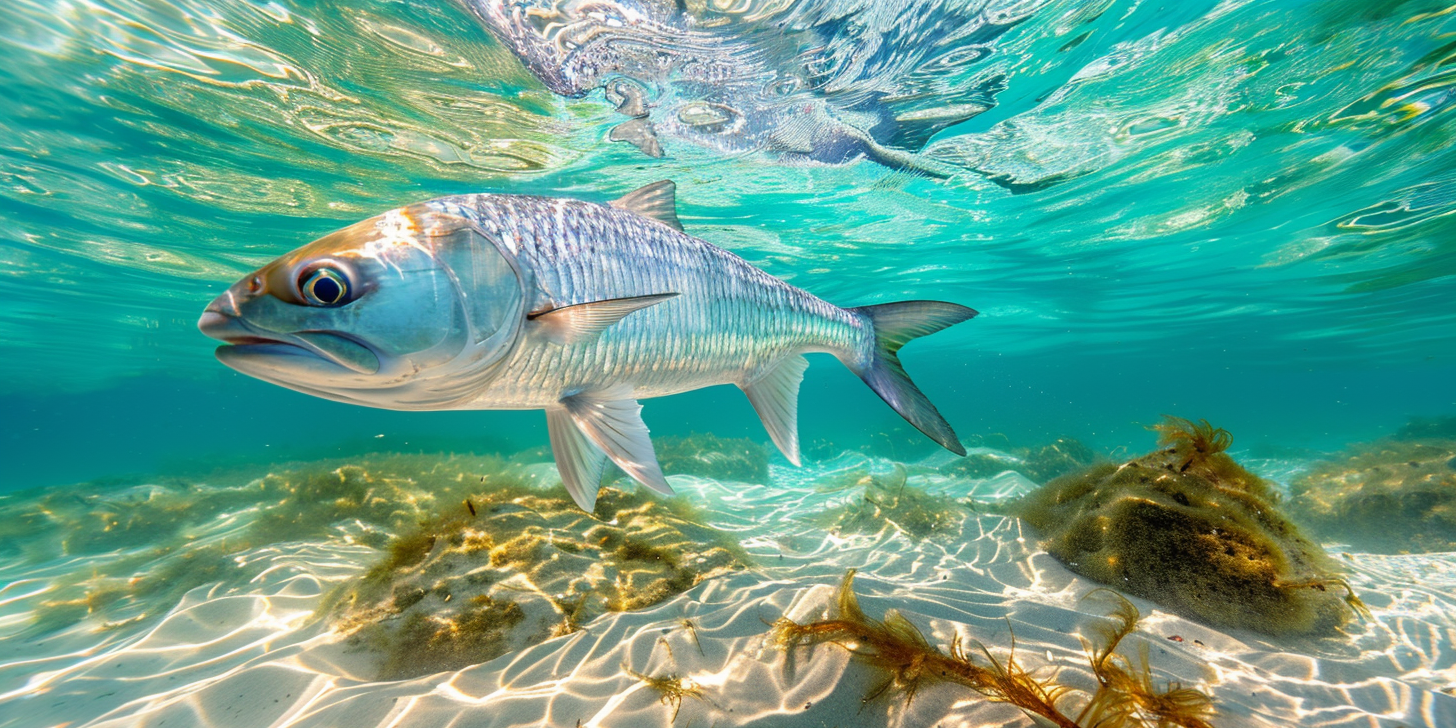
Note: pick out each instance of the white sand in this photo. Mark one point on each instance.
(250, 655)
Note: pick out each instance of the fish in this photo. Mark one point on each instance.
(822, 82)
(581, 309)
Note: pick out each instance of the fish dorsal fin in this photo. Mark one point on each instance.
(775, 396)
(583, 321)
(578, 459)
(657, 201)
(612, 420)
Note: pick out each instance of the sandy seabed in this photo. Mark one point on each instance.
(255, 654)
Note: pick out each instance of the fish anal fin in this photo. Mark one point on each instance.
(578, 459)
(612, 420)
(638, 133)
(775, 396)
(657, 201)
(583, 321)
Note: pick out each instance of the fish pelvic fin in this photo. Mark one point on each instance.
(895, 324)
(584, 321)
(580, 462)
(774, 394)
(612, 420)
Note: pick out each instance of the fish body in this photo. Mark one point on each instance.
(810, 82)
(726, 322)
(492, 301)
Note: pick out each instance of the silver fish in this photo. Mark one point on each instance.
(580, 309)
(814, 81)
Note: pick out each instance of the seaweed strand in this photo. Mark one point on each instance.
(1125, 698)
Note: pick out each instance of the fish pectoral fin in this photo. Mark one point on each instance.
(578, 459)
(612, 420)
(638, 133)
(583, 321)
(657, 201)
(775, 396)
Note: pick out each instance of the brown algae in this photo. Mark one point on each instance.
(1039, 464)
(1392, 496)
(1125, 697)
(1186, 526)
(150, 544)
(889, 503)
(456, 590)
(709, 456)
(670, 689)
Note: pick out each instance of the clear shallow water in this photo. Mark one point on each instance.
(1239, 210)
(1252, 220)
(1258, 208)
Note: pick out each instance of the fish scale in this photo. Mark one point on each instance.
(719, 294)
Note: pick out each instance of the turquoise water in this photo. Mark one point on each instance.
(1237, 211)
(1256, 227)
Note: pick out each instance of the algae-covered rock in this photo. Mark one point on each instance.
(1039, 464)
(513, 567)
(888, 503)
(1187, 527)
(1392, 496)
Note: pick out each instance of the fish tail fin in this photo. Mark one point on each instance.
(895, 324)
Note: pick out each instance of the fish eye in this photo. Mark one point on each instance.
(324, 286)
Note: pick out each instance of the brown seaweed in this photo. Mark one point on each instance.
(671, 690)
(889, 503)
(1126, 696)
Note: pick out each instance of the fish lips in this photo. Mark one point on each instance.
(269, 353)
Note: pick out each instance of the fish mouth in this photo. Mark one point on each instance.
(259, 353)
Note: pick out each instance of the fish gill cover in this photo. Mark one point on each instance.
(1233, 209)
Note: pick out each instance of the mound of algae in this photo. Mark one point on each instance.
(512, 566)
(1187, 527)
(1392, 496)
(888, 503)
(1125, 696)
(1038, 464)
(145, 545)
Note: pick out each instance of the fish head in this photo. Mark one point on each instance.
(405, 310)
